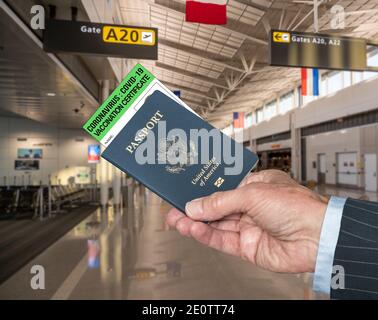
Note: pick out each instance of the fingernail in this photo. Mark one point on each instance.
(194, 208)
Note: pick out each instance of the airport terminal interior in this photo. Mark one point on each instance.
(97, 233)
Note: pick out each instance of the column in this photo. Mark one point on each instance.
(254, 145)
(116, 186)
(296, 164)
(252, 137)
(104, 178)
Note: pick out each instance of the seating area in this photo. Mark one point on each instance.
(40, 201)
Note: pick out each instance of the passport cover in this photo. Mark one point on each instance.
(176, 183)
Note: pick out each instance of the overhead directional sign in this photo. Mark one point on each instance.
(101, 39)
(312, 50)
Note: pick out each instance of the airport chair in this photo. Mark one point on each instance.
(7, 198)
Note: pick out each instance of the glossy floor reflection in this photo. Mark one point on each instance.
(131, 254)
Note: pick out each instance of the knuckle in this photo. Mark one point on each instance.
(179, 224)
(292, 189)
(214, 202)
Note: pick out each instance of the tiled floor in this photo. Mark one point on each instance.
(131, 254)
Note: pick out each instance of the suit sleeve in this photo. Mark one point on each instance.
(355, 264)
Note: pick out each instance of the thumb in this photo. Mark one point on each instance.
(217, 205)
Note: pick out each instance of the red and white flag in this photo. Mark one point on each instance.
(206, 11)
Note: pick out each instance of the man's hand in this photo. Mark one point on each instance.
(269, 220)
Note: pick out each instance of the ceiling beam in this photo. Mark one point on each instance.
(195, 76)
(294, 20)
(230, 104)
(190, 90)
(189, 51)
(193, 103)
(259, 5)
(217, 115)
(282, 18)
(266, 25)
(234, 82)
(274, 79)
(308, 15)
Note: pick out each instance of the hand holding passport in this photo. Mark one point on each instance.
(266, 218)
(162, 143)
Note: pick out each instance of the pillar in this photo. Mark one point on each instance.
(296, 158)
(104, 178)
(116, 186)
(253, 145)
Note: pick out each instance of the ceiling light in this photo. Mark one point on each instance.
(51, 94)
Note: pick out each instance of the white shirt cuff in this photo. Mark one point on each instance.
(327, 245)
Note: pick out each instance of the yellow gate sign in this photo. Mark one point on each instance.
(109, 40)
(281, 37)
(125, 35)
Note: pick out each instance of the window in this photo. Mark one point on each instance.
(248, 120)
(286, 102)
(323, 85)
(335, 82)
(358, 77)
(369, 74)
(372, 61)
(308, 99)
(347, 79)
(259, 115)
(270, 110)
(254, 118)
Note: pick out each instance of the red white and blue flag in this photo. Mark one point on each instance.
(94, 153)
(238, 120)
(206, 11)
(310, 82)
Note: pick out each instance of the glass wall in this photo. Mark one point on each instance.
(270, 110)
(248, 120)
(286, 102)
(308, 99)
(347, 75)
(335, 82)
(259, 115)
(372, 62)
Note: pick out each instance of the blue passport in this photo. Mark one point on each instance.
(176, 154)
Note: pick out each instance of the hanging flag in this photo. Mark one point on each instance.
(310, 82)
(94, 153)
(238, 120)
(206, 11)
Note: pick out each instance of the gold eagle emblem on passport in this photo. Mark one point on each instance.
(219, 182)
